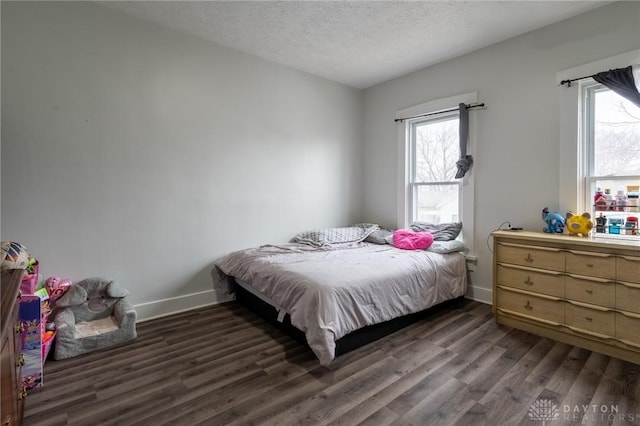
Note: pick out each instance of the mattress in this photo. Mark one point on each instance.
(330, 292)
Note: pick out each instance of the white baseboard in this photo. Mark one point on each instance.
(479, 294)
(173, 305)
(160, 308)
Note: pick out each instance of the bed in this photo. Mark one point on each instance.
(330, 292)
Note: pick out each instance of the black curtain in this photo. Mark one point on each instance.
(621, 81)
(465, 161)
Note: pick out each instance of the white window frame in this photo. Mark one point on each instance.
(412, 208)
(574, 187)
(588, 88)
(590, 179)
(405, 160)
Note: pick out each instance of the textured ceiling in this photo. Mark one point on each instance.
(358, 43)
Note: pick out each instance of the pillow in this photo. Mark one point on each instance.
(440, 231)
(333, 236)
(13, 255)
(381, 236)
(409, 240)
(444, 247)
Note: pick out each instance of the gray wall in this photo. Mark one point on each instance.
(140, 154)
(516, 162)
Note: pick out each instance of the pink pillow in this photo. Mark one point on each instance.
(410, 240)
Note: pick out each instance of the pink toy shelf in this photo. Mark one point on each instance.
(30, 281)
(34, 311)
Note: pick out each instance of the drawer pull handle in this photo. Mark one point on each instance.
(23, 393)
(589, 291)
(528, 258)
(528, 306)
(588, 319)
(589, 265)
(528, 281)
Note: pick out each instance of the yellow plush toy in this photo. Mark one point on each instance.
(579, 225)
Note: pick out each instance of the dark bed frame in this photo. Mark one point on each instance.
(351, 341)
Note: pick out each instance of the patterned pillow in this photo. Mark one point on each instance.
(14, 255)
(335, 236)
(440, 231)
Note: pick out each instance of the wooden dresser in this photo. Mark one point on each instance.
(11, 361)
(581, 291)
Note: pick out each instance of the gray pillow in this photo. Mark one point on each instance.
(444, 247)
(381, 236)
(440, 231)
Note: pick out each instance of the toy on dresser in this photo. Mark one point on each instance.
(555, 222)
(579, 225)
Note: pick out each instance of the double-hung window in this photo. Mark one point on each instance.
(435, 194)
(611, 158)
(428, 151)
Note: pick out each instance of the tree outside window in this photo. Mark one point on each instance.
(435, 148)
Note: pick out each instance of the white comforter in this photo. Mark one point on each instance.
(331, 292)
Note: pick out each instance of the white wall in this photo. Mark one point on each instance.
(518, 135)
(140, 154)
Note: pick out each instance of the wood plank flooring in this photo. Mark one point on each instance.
(222, 365)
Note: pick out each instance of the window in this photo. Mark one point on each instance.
(434, 150)
(611, 158)
(428, 149)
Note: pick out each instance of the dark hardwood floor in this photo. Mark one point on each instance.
(223, 365)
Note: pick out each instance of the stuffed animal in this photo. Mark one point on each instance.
(92, 298)
(93, 314)
(57, 286)
(555, 222)
(579, 225)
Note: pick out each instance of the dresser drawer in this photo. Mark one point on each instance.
(591, 264)
(595, 292)
(628, 269)
(628, 297)
(533, 257)
(532, 306)
(593, 320)
(628, 328)
(545, 282)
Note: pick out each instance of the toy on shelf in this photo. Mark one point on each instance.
(615, 224)
(620, 201)
(57, 286)
(30, 280)
(633, 195)
(579, 225)
(600, 200)
(555, 222)
(601, 224)
(631, 225)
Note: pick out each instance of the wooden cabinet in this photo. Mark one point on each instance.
(13, 393)
(581, 291)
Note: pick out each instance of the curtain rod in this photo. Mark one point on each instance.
(469, 106)
(569, 81)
